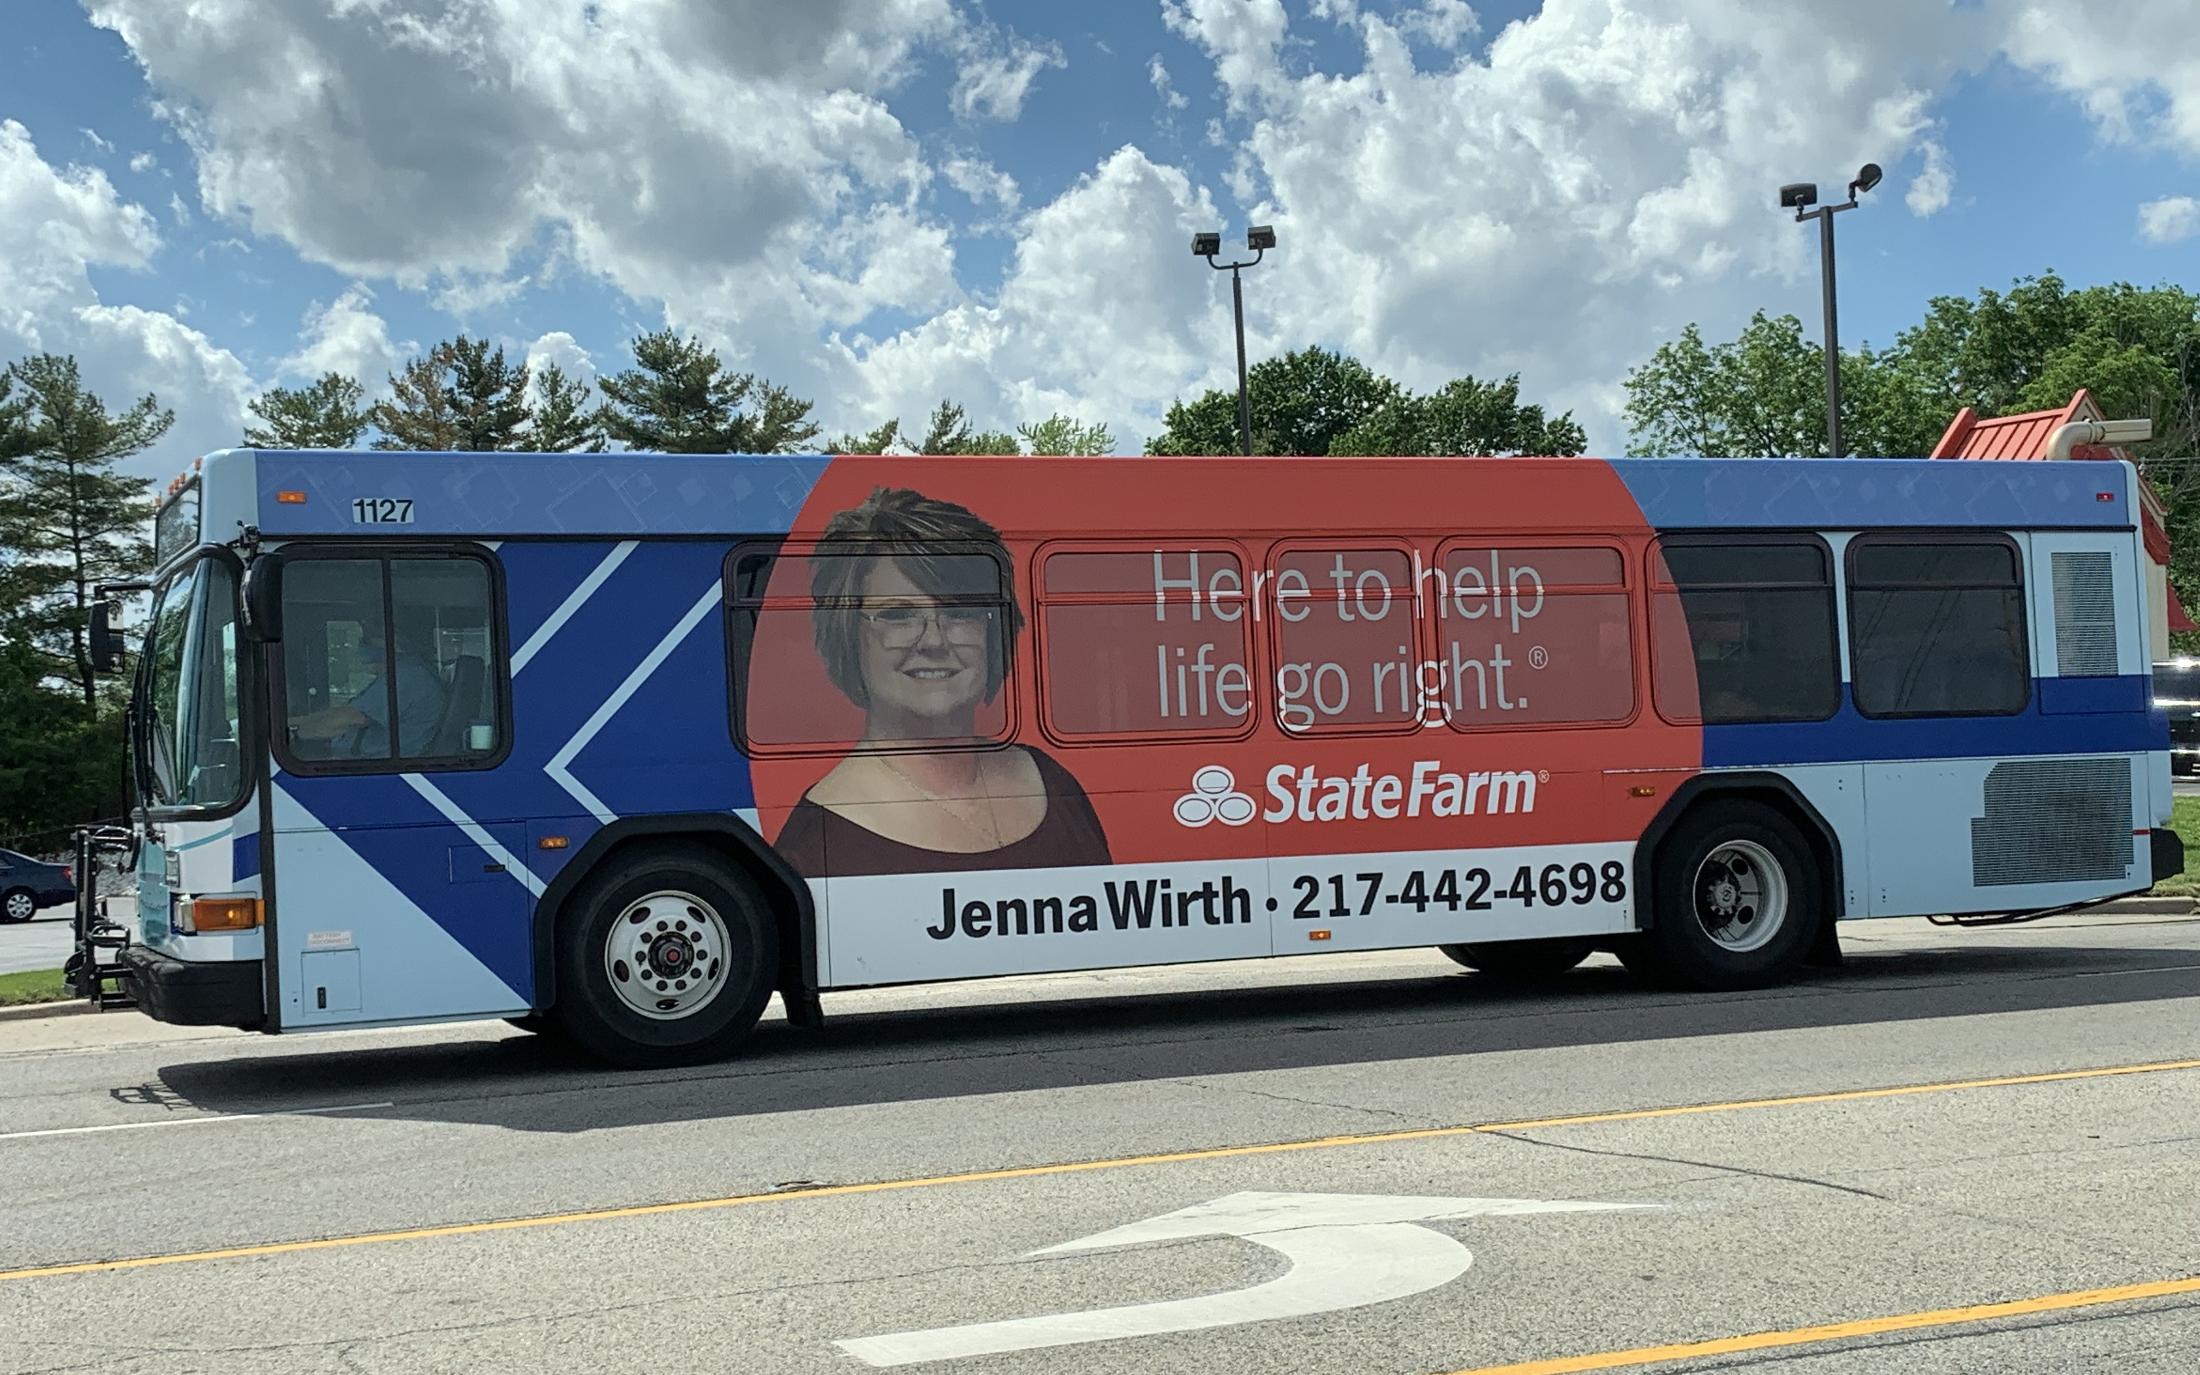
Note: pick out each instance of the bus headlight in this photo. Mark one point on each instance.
(197, 916)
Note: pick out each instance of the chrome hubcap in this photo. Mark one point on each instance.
(20, 906)
(1741, 896)
(666, 955)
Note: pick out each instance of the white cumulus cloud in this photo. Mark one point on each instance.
(56, 224)
(2172, 219)
(1935, 182)
(346, 336)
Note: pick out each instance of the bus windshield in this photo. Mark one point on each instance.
(191, 707)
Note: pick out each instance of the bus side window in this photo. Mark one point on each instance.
(1153, 640)
(1742, 630)
(836, 648)
(1345, 632)
(391, 660)
(1936, 626)
(1533, 636)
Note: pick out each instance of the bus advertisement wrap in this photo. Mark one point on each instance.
(1266, 743)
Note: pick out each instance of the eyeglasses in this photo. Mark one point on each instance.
(898, 627)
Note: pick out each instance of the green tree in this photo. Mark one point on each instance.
(1065, 434)
(420, 412)
(1301, 403)
(564, 420)
(1464, 416)
(326, 414)
(61, 764)
(68, 519)
(678, 398)
(462, 396)
(950, 433)
(1763, 395)
(876, 441)
(489, 396)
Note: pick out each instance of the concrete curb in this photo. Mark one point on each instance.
(2150, 906)
(32, 1011)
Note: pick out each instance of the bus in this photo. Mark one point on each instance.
(621, 745)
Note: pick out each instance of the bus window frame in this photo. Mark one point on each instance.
(1871, 538)
(278, 697)
(249, 726)
(1639, 686)
(737, 667)
(1409, 548)
(1250, 615)
(1655, 585)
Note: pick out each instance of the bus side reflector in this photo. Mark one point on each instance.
(551, 843)
(291, 498)
(218, 914)
(1640, 791)
(1317, 935)
(2104, 496)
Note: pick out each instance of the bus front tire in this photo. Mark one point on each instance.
(1738, 901)
(665, 958)
(1522, 960)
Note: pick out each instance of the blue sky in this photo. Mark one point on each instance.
(211, 199)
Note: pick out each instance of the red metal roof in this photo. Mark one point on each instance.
(2018, 436)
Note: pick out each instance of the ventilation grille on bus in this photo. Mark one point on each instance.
(2053, 821)
(2085, 614)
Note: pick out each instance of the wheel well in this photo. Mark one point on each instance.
(786, 895)
(1769, 790)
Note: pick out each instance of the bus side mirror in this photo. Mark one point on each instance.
(263, 598)
(106, 641)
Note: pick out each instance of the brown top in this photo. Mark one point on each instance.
(819, 842)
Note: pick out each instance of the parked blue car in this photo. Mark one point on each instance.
(27, 885)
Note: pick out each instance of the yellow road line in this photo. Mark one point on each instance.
(459, 1229)
(1844, 1331)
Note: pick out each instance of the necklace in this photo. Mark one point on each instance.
(988, 831)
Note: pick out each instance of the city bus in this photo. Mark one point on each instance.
(618, 746)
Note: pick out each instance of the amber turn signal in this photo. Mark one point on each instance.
(200, 915)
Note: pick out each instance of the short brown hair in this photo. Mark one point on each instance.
(936, 543)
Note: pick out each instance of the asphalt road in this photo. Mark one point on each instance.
(43, 942)
(1961, 1151)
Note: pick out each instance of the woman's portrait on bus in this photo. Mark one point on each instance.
(914, 617)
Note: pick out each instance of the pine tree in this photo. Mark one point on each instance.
(461, 397)
(678, 398)
(877, 441)
(950, 433)
(564, 421)
(420, 411)
(489, 396)
(325, 415)
(68, 518)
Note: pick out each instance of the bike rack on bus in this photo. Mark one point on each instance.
(89, 976)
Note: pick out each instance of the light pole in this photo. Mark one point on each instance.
(1800, 196)
(1260, 238)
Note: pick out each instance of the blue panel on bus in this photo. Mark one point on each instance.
(1848, 494)
(2081, 695)
(481, 494)
(1851, 738)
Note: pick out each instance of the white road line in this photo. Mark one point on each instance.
(558, 769)
(475, 832)
(573, 602)
(193, 1121)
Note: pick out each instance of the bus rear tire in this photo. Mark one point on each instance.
(1522, 960)
(665, 958)
(1737, 898)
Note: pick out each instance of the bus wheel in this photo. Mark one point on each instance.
(1541, 959)
(664, 958)
(1736, 898)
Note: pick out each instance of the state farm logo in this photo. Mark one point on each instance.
(1300, 792)
(1214, 797)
